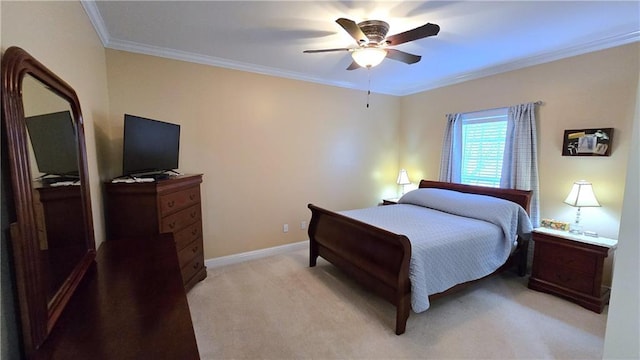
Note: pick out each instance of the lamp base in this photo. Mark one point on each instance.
(576, 229)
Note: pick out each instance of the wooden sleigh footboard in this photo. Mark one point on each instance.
(379, 259)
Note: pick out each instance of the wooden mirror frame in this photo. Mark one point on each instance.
(37, 314)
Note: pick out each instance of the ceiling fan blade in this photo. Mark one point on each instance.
(423, 31)
(354, 65)
(325, 50)
(403, 56)
(354, 30)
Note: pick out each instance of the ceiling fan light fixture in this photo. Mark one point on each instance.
(369, 56)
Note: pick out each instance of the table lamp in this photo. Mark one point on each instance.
(581, 195)
(403, 179)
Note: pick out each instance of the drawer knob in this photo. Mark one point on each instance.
(194, 232)
(171, 203)
(196, 265)
(192, 196)
(193, 214)
(195, 249)
(172, 225)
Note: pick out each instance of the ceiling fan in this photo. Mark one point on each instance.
(373, 42)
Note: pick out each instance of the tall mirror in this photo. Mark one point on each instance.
(52, 230)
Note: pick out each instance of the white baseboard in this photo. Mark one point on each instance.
(256, 254)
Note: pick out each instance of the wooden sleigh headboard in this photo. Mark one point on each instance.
(520, 197)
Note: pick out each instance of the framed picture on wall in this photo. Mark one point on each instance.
(587, 142)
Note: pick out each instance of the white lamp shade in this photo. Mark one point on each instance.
(582, 195)
(368, 56)
(403, 178)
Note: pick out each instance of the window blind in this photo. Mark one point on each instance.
(483, 139)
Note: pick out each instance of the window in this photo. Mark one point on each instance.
(483, 139)
(475, 144)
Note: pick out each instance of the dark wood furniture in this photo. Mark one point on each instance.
(389, 201)
(30, 89)
(170, 205)
(56, 200)
(570, 266)
(379, 259)
(130, 302)
(130, 305)
(60, 237)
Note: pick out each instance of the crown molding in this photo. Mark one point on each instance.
(92, 11)
(216, 61)
(581, 49)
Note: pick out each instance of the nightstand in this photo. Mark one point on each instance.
(390, 201)
(570, 266)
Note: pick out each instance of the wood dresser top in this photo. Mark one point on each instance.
(131, 305)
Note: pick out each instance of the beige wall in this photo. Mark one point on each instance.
(623, 327)
(587, 91)
(266, 146)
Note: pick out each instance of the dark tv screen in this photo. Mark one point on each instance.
(53, 139)
(149, 145)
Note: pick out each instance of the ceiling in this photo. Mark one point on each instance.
(477, 38)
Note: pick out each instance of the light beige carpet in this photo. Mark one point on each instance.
(279, 308)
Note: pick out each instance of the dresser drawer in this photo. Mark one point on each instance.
(567, 257)
(187, 235)
(178, 200)
(567, 278)
(181, 219)
(192, 267)
(185, 255)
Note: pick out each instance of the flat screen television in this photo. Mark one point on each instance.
(53, 139)
(149, 146)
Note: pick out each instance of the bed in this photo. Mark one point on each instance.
(373, 245)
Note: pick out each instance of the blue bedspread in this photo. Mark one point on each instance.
(455, 237)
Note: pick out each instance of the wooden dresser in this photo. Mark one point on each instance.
(172, 205)
(130, 305)
(571, 266)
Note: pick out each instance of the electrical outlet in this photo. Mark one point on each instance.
(303, 225)
(285, 228)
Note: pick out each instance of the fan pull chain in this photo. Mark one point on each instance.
(369, 85)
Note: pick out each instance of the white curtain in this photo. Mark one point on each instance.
(451, 163)
(520, 163)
